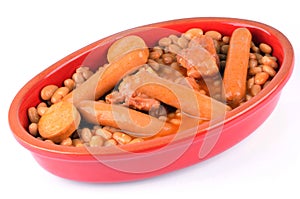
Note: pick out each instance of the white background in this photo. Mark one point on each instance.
(36, 34)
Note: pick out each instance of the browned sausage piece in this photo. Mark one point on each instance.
(107, 77)
(179, 96)
(134, 123)
(123, 46)
(59, 121)
(235, 74)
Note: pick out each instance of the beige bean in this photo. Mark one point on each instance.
(268, 69)
(162, 118)
(214, 34)
(77, 142)
(250, 82)
(33, 115)
(193, 32)
(153, 64)
(226, 39)
(122, 138)
(69, 83)
(78, 78)
(174, 48)
(253, 63)
(255, 89)
(167, 58)
(159, 49)
(154, 55)
(258, 57)
(41, 104)
(66, 142)
(164, 42)
(261, 78)
(218, 45)
(176, 66)
(272, 57)
(254, 70)
(96, 141)
(62, 91)
(49, 141)
(255, 49)
(56, 98)
(86, 134)
(136, 140)
(160, 61)
(59, 94)
(41, 110)
(104, 133)
(96, 127)
(182, 42)
(48, 91)
(248, 97)
(33, 129)
(82, 69)
(87, 73)
(224, 49)
(178, 112)
(252, 56)
(174, 38)
(265, 48)
(222, 57)
(265, 60)
(110, 142)
(222, 64)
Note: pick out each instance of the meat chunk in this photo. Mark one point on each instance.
(207, 43)
(127, 96)
(200, 58)
(142, 102)
(137, 101)
(115, 98)
(198, 62)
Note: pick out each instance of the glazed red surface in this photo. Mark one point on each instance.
(116, 166)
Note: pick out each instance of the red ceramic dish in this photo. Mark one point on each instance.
(158, 156)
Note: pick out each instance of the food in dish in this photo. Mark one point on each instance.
(147, 92)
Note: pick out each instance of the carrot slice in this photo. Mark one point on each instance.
(235, 74)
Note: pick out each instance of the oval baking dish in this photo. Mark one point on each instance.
(160, 155)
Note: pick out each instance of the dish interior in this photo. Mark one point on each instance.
(94, 55)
